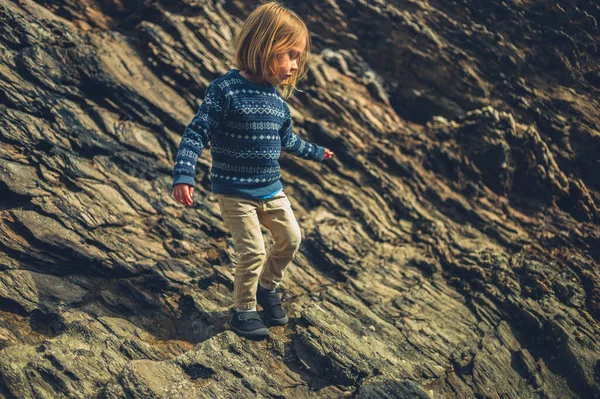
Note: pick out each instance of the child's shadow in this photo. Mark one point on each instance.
(196, 325)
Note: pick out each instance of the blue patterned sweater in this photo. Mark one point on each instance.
(247, 125)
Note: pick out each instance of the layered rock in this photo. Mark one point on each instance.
(450, 248)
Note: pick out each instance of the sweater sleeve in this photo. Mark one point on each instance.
(294, 145)
(198, 134)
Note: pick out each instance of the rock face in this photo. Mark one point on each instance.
(450, 249)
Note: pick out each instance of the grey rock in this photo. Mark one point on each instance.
(450, 248)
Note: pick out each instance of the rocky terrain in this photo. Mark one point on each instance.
(451, 249)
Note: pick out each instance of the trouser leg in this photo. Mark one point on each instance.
(241, 219)
(277, 216)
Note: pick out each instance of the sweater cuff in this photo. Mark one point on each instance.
(177, 179)
(320, 153)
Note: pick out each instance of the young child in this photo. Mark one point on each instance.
(248, 123)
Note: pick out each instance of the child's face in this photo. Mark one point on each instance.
(288, 63)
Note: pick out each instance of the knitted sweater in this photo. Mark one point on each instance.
(248, 125)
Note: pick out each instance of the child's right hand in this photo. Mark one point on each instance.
(183, 193)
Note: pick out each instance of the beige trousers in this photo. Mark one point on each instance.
(243, 217)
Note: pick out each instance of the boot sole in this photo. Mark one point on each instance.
(260, 334)
(276, 322)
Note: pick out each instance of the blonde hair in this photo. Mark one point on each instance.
(270, 30)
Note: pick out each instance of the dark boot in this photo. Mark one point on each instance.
(271, 304)
(249, 325)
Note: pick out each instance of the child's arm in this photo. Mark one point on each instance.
(293, 144)
(197, 135)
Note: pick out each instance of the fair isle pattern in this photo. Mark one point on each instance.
(244, 168)
(202, 119)
(253, 137)
(182, 162)
(191, 142)
(231, 81)
(252, 125)
(231, 93)
(247, 125)
(291, 142)
(268, 154)
(210, 103)
(266, 111)
(243, 179)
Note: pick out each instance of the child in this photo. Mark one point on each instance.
(248, 123)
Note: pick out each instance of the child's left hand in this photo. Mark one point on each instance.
(328, 154)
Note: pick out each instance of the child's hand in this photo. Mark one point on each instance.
(183, 193)
(328, 154)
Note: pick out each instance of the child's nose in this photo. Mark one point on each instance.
(294, 65)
